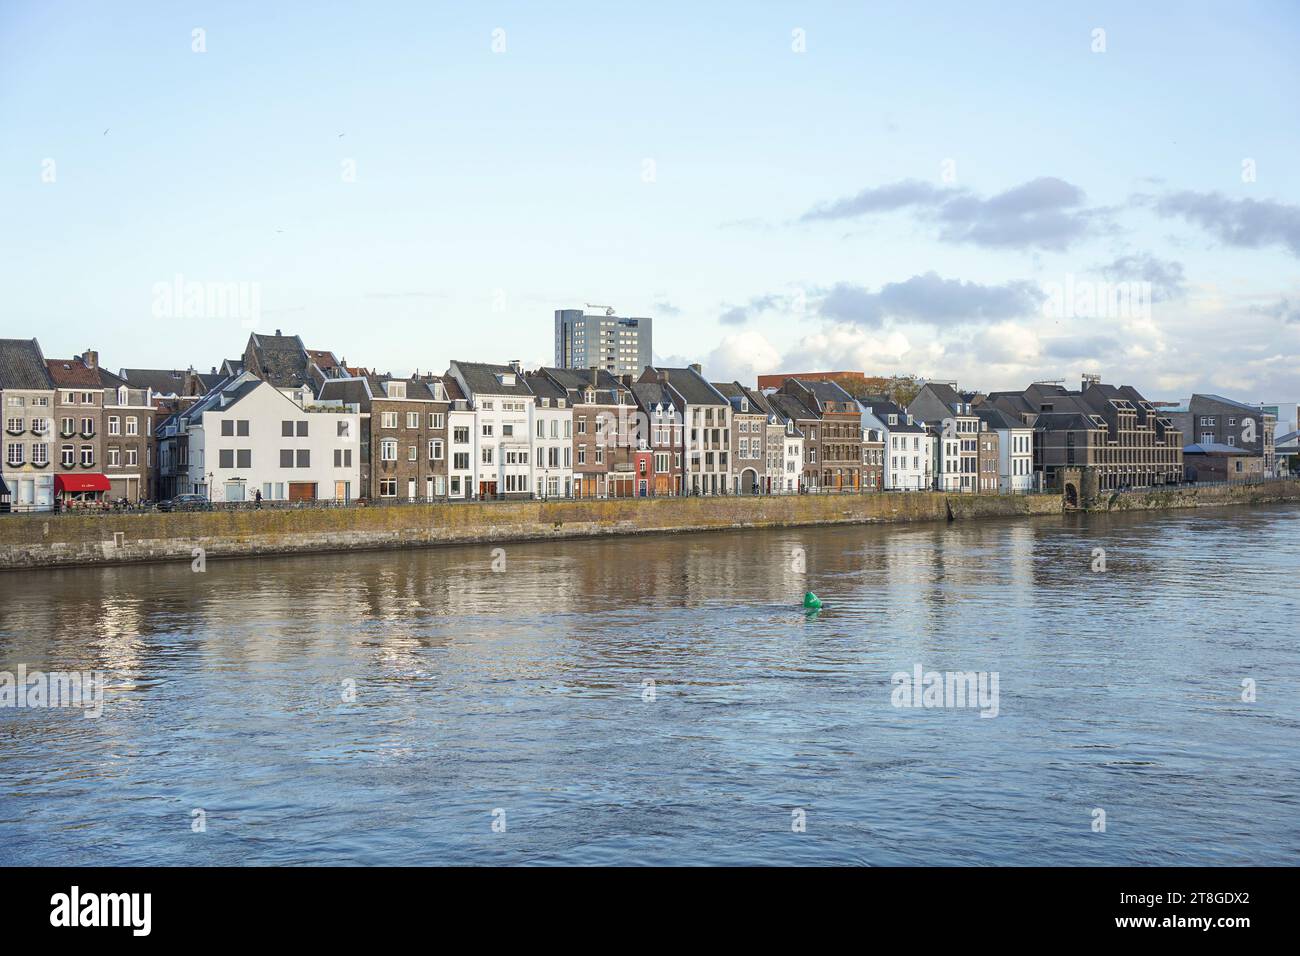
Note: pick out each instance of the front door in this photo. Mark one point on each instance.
(342, 491)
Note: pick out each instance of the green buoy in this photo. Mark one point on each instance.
(812, 602)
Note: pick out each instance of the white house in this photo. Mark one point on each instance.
(502, 405)
(909, 445)
(1015, 451)
(247, 436)
(552, 431)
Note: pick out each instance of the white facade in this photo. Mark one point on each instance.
(1016, 459)
(462, 452)
(793, 459)
(251, 437)
(552, 430)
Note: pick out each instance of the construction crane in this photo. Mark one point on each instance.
(609, 309)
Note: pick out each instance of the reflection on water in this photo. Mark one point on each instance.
(528, 691)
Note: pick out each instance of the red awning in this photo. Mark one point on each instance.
(80, 483)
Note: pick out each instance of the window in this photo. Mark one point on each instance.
(241, 427)
(460, 435)
(244, 458)
(388, 450)
(344, 428)
(115, 426)
(286, 457)
(40, 453)
(69, 425)
(133, 426)
(541, 428)
(582, 454)
(460, 461)
(132, 457)
(389, 420)
(226, 458)
(582, 424)
(303, 457)
(487, 456)
(87, 454)
(435, 420)
(388, 487)
(87, 427)
(412, 419)
(114, 458)
(487, 430)
(435, 449)
(302, 428)
(286, 430)
(14, 453)
(412, 453)
(342, 457)
(67, 456)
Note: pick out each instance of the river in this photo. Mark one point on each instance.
(665, 700)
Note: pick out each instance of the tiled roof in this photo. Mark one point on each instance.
(283, 360)
(22, 365)
(353, 391)
(73, 373)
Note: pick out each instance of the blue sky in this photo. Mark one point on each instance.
(833, 207)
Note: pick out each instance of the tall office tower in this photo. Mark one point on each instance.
(602, 340)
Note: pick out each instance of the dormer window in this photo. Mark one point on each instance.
(893, 419)
(591, 396)
(506, 378)
(397, 390)
(744, 404)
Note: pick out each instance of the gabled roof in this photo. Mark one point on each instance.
(482, 378)
(350, 391)
(162, 381)
(650, 395)
(790, 407)
(543, 387)
(996, 419)
(691, 385)
(282, 359)
(881, 407)
(75, 373)
(22, 365)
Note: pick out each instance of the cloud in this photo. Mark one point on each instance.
(1165, 276)
(1044, 213)
(932, 299)
(740, 314)
(1083, 346)
(905, 192)
(1283, 310)
(741, 357)
(666, 308)
(1246, 223)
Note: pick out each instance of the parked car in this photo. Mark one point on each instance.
(185, 503)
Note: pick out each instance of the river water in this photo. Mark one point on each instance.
(664, 699)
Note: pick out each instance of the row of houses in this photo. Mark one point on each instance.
(287, 423)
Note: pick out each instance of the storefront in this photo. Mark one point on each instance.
(20, 491)
(81, 489)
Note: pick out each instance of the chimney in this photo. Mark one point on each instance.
(697, 368)
(663, 375)
(626, 379)
(91, 358)
(214, 370)
(594, 376)
(518, 366)
(277, 333)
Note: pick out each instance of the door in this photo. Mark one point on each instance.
(234, 491)
(410, 489)
(302, 491)
(342, 490)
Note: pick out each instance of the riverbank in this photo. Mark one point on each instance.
(39, 541)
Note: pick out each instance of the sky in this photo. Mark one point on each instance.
(952, 190)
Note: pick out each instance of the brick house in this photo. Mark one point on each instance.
(838, 439)
(604, 439)
(662, 416)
